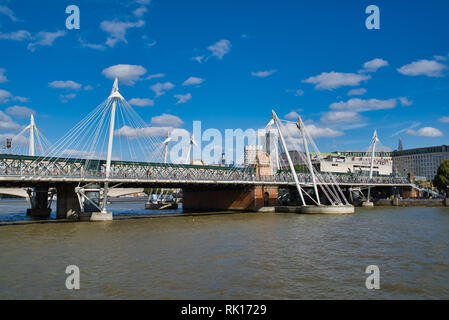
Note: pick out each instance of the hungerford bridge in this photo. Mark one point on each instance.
(83, 183)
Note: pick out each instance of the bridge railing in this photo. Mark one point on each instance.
(162, 172)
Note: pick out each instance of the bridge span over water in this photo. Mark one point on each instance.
(27, 171)
(81, 170)
(204, 187)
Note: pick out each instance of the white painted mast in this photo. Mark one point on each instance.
(31, 141)
(191, 143)
(301, 127)
(114, 96)
(292, 167)
(373, 150)
(165, 143)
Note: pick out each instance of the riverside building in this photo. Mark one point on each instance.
(347, 162)
(420, 162)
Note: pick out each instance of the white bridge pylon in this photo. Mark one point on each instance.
(192, 143)
(34, 144)
(295, 138)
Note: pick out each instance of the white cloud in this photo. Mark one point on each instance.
(413, 125)
(220, 48)
(127, 74)
(161, 88)
(425, 132)
(20, 99)
(357, 92)
(193, 81)
(45, 38)
(183, 98)
(66, 97)
(154, 76)
(91, 45)
(139, 12)
(117, 30)
(139, 102)
(166, 120)
(263, 74)
(373, 65)
(6, 123)
(292, 115)
(8, 12)
(2, 75)
(317, 132)
(359, 105)
(293, 134)
(152, 44)
(332, 80)
(69, 84)
(425, 67)
(405, 101)
(199, 59)
(21, 112)
(444, 119)
(440, 58)
(341, 116)
(135, 133)
(5, 96)
(19, 35)
(88, 88)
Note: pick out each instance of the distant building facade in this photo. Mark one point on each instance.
(346, 162)
(251, 153)
(420, 162)
(358, 162)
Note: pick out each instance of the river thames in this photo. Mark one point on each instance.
(227, 256)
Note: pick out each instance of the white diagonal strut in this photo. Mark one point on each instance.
(373, 150)
(301, 127)
(191, 143)
(284, 145)
(31, 142)
(165, 143)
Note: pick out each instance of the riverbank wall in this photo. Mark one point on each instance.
(412, 202)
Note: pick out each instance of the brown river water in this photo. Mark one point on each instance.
(146, 255)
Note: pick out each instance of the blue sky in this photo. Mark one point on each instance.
(228, 63)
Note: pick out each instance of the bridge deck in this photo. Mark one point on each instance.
(23, 170)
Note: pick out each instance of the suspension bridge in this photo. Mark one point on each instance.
(112, 147)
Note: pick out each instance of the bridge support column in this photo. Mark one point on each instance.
(229, 198)
(39, 202)
(293, 196)
(67, 206)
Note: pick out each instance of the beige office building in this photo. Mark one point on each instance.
(421, 162)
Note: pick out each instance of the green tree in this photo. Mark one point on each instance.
(441, 180)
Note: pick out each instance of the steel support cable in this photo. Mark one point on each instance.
(324, 186)
(55, 151)
(133, 123)
(297, 147)
(287, 151)
(334, 185)
(58, 148)
(62, 151)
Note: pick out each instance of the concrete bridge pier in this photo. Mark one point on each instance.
(232, 198)
(39, 202)
(67, 206)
